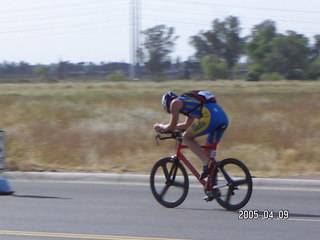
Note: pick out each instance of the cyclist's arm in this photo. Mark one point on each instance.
(175, 107)
(185, 125)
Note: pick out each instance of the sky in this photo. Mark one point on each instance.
(49, 31)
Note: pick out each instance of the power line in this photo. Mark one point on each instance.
(52, 27)
(186, 15)
(84, 29)
(186, 24)
(60, 15)
(188, 21)
(73, 5)
(62, 24)
(149, 9)
(240, 6)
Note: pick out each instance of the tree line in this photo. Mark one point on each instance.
(60, 70)
(220, 53)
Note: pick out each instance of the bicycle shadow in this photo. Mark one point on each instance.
(39, 197)
(261, 213)
(205, 209)
(304, 215)
(298, 215)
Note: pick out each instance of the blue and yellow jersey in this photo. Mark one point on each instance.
(191, 107)
(208, 116)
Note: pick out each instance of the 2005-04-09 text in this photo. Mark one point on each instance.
(255, 214)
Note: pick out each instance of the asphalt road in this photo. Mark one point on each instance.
(78, 210)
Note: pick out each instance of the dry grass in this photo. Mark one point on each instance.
(108, 126)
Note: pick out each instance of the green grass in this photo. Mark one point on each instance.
(108, 126)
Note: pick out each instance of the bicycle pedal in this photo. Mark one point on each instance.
(208, 199)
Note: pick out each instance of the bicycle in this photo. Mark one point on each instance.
(229, 181)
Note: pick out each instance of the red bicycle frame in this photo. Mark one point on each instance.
(212, 147)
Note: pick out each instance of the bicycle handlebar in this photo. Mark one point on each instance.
(173, 135)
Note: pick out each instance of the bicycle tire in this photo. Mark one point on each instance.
(238, 190)
(169, 182)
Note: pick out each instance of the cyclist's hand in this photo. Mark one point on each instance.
(161, 128)
(158, 127)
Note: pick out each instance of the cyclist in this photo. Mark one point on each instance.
(202, 119)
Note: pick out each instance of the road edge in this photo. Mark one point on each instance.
(144, 179)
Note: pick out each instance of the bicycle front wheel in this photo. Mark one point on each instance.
(234, 182)
(169, 182)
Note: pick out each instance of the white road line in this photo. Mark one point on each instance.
(303, 220)
(79, 236)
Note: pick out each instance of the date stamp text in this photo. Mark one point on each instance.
(256, 214)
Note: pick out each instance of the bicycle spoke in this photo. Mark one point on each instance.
(174, 170)
(165, 171)
(225, 175)
(240, 182)
(230, 189)
(178, 184)
(164, 190)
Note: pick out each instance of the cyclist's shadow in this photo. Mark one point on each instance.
(205, 209)
(38, 196)
(301, 215)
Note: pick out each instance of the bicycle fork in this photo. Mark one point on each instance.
(170, 178)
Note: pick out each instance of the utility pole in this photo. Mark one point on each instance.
(135, 25)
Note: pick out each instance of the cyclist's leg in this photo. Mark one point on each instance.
(189, 140)
(198, 128)
(219, 118)
(216, 136)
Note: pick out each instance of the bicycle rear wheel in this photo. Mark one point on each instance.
(234, 181)
(169, 182)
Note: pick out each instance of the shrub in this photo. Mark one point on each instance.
(254, 72)
(116, 77)
(42, 72)
(272, 76)
(214, 67)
